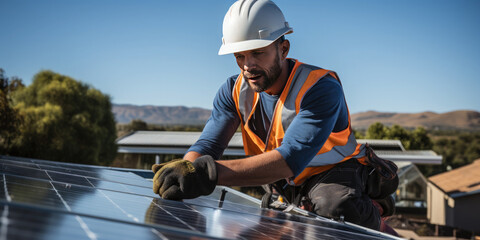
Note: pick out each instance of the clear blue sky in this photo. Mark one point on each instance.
(395, 56)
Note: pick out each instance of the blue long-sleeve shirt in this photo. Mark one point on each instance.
(323, 110)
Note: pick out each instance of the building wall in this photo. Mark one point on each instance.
(467, 213)
(461, 212)
(436, 205)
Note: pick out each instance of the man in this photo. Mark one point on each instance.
(295, 126)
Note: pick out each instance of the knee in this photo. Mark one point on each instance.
(332, 207)
(358, 210)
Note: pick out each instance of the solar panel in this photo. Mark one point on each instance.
(51, 200)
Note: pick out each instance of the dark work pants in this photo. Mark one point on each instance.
(340, 191)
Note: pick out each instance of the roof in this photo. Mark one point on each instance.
(169, 138)
(383, 144)
(53, 200)
(460, 181)
(414, 156)
(186, 139)
(167, 142)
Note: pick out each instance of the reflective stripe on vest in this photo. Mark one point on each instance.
(339, 146)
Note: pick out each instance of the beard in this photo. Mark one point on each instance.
(269, 76)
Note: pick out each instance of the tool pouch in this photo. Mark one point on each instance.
(382, 179)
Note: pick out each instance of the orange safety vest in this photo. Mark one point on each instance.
(340, 146)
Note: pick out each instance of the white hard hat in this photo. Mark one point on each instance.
(252, 24)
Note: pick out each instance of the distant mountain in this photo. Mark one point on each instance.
(466, 120)
(124, 113)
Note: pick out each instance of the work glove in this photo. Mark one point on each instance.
(156, 167)
(182, 179)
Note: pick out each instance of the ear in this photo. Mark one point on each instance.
(285, 47)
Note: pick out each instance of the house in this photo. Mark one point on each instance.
(453, 198)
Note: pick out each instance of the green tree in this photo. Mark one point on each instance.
(420, 139)
(65, 120)
(9, 117)
(398, 133)
(134, 125)
(417, 139)
(376, 131)
(461, 150)
(457, 149)
(137, 125)
(358, 134)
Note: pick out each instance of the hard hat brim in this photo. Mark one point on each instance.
(243, 46)
(249, 44)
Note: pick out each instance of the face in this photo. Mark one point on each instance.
(261, 67)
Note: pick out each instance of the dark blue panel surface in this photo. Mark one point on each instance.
(48, 200)
(35, 223)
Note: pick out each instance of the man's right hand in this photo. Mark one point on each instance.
(156, 167)
(182, 179)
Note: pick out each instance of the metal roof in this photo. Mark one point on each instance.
(414, 156)
(169, 138)
(168, 142)
(383, 144)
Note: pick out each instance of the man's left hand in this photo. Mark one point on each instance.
(183, 179)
